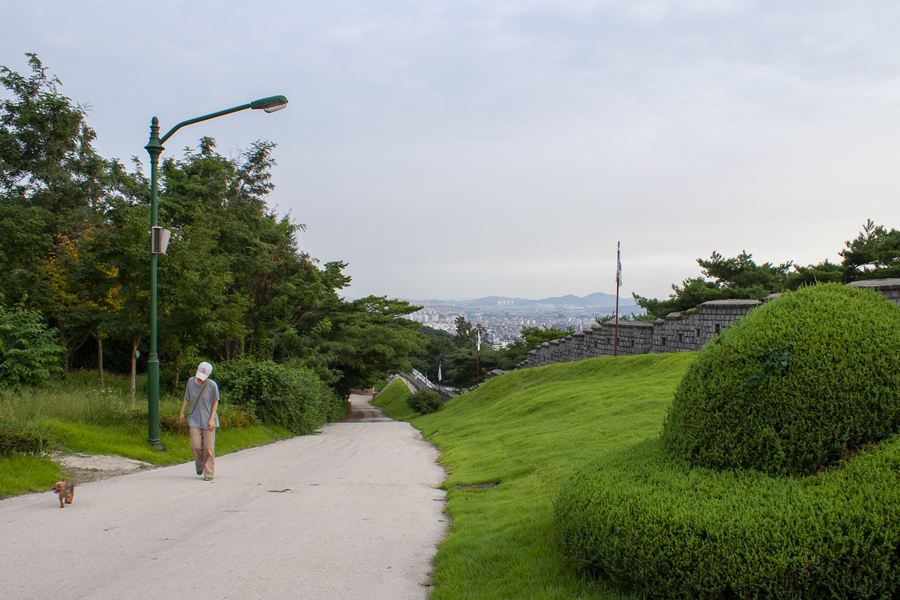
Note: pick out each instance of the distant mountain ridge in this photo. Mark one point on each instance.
(594, 300)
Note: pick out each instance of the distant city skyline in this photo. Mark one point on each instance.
(504, 321)
(454, 149)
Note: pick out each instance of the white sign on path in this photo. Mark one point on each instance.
(351, 513)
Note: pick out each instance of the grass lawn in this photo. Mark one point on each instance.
(522, 435)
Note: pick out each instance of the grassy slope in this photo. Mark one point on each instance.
(20, 474)
(528, 431)
(393, 401)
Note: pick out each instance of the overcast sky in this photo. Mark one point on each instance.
(457, 149)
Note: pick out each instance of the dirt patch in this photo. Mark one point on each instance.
(83, 468)
(476, 486)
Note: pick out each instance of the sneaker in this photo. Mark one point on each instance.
(207, 479)
(200, 472)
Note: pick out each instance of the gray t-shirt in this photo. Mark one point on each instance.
(201, 404)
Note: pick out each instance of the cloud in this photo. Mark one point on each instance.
(477, 139)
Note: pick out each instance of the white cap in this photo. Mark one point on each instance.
(204, 370)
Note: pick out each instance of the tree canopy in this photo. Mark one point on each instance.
(234, 282)
(874, 254)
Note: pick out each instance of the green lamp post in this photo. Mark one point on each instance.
(157, 246)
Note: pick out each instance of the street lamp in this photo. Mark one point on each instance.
(154, 148)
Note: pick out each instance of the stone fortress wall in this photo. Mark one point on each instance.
(676, 332)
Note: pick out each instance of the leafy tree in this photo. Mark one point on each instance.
(206, 297)
(467, 333)
(234, 282)
(55, 196)
(249, 288)
(29, 351)
(115, 277)
(463, 364)
(437, 344)
(368, 339)
(51, 179)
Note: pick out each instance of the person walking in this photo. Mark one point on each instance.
(203, 395)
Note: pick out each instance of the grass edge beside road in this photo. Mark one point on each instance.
(74, 417)
(22, 474)
(510, 445)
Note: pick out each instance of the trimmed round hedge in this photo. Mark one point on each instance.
(654, 525)
(799, 383)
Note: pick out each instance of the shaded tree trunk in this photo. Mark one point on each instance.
(100, 360)
(177, 371)
(99, 355)
(134, 345)
(73, 346)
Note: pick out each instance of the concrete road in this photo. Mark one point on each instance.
(351, 513)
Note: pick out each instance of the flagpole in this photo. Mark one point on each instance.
(618, 284)
(478, 358)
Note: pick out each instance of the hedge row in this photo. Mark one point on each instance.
(17, 440)
(652, 524)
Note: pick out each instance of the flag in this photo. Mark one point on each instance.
(619, 265)
(478, 341)
(439, 370)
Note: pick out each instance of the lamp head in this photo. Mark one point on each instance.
(270, 104)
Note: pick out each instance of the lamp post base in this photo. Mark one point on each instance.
(153, 401)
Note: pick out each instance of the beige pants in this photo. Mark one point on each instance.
(203, 444)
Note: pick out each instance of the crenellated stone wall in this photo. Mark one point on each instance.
(634, 338)
(676, 332)
(889, 288)
(690, 330)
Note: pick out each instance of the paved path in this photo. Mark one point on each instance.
(351, 513)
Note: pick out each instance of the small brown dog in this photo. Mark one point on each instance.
(65, 489)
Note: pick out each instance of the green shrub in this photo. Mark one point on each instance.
(425, 401)
(657, 526)
(230, 417)
(293, 398)
(30, 353)
(797, 384)
(19, 441)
